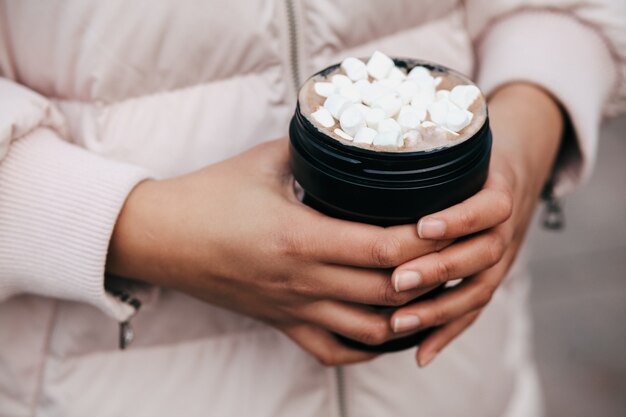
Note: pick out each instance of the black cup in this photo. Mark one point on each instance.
(385, 188)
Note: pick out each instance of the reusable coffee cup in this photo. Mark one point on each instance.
(383, 187)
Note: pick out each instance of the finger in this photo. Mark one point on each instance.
(489, 207)
(353, 285)
(441, 337)
(460, 260)
(316, 236)
(472, 294)
(324, 346)
(358, 323)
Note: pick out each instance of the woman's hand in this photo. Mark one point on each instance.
(489, 227)
(233, 234)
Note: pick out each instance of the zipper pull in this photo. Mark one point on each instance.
(127, 334)
(553, 215)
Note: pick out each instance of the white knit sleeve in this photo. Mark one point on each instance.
(574, 50)
(58, 206)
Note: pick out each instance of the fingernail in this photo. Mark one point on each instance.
(427, 358)
(406, 323)
(406, 280)
(431, 228)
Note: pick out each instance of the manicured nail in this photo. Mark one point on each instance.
(431, 228)
(406, 323)
(406, 280)
(427, 358)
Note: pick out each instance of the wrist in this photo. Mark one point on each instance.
(131, 251)
(527, 123)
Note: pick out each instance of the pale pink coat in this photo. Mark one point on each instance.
(98, 95)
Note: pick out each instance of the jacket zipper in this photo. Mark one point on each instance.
(293, 44)
(341, 391)
(294, 63)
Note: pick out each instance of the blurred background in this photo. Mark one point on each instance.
(579, 292)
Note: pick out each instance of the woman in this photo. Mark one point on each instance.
(129, 138)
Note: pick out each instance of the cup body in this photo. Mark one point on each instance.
(385, 188)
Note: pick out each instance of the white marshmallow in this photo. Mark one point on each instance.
(364, 109)
(362, 86)
(365, 135)
(336, 104)
(426, 83)
(354, 68)
(396, 74)
(323, 117)
(420, 109)
(389, 125)
(409, 121)
(390, 105)
(341, 80)
(457, 119)
(389, 83)
(412, 137)
(388, 139)
(406, 109)
(422, 99)
(432, 132)
(418, 71)
(425, 91)
(379, 65)
(325, 89)
(406, 91)
(374, 92)
(352, 120)
(438, 112)
(373, 117)
(464, 95)
(343, 134)
(351, 93)
(442, 95)
(438, 81)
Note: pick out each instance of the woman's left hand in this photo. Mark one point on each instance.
(489, 227)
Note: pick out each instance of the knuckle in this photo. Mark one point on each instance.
(290, 243)
(485, 296)
(467, 221)
(327, 359)
(386, 251)
(438, 316)
(496, 247)
(388, 296)
(504, 201)
(442, 271)
(375, 333)
(302, 287)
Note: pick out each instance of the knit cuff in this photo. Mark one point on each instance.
(58, 206)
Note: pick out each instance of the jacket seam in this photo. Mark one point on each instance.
(41, 371)
(102, 103)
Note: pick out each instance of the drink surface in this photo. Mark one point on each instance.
(439, 115)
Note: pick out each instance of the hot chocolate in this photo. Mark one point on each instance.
(407, 109)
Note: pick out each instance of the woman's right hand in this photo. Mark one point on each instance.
(233, 234)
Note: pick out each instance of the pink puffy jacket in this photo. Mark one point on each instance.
(98, 95)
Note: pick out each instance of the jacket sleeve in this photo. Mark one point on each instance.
(575, 50)
(58, 205)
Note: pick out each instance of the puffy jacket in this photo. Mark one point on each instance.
(96, 96)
